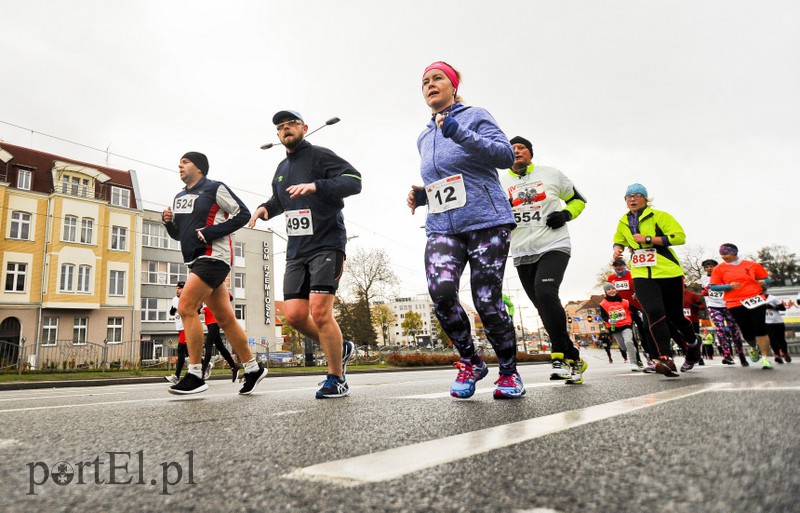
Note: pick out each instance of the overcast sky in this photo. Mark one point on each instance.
(698, 100)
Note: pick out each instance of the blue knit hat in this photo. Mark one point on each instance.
(636, 188)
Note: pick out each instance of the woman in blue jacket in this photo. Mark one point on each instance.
(469, 220)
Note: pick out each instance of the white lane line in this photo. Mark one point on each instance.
(30, 398)
(439, 395)
(7, 442)
(397, 462)
(287, 412)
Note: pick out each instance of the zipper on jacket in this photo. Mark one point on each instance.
(489, 196)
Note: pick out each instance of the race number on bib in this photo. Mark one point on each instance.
(622, 285)
(753, 302)
(446, 194)
(184, 204)
(644, 257)
(529, 215)
(687, 312)
(715, 294)
(298, 223)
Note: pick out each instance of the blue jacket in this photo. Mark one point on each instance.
(476, 148)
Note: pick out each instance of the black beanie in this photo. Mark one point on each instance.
(522, 141)
(198, 159)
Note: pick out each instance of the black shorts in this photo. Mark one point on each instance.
(314, 274)
(212, 271)
(752, 323)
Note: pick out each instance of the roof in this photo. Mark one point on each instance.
(41, 164)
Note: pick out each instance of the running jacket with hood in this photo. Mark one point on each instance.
(655, 223)
(477, 148)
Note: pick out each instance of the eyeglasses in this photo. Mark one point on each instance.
(281, 126)
(634, 196)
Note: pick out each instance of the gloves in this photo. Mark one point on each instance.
(558, 219)
(449, 127)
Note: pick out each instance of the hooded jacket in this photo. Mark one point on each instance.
(655, 223)
(476, 149)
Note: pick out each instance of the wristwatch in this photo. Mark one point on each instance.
(648, 239)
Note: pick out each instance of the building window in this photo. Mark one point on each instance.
(238, 280)
(84, 278)
(20, 225)
(116, 283)
(24, 179)
(87, 229)
(49, 331)
(15, 276)
(67, 277)
(70, 233)
(239, 311)
(80, 330)
(238, 249)
(154, 273)
(177, 272)
(156, 236)
(120, 197)
(75, 186)
(119, 238)
(114, 331)
(155, 308)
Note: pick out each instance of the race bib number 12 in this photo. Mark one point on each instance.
(446, 194)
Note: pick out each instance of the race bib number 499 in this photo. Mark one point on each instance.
(644, 257)
(298, 223)
(446, 194)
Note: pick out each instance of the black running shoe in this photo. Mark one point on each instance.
(727, 360)
(666, 366)
(348, 352)
(787, 357)
(235, 373)
(778, 359)
(332, 387)
(251, 379)
(743, 361)
(190, 384)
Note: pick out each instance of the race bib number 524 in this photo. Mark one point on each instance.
(184, 204)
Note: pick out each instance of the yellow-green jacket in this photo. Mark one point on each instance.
(654, 223)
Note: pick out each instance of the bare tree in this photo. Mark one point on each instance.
(368, 273)
(692, 258)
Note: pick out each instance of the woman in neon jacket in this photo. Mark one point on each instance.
(657, 277)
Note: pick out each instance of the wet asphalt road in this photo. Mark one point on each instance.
(717, 439)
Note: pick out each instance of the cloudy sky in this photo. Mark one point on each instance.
(698, 100)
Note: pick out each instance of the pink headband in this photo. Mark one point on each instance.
(446, 69)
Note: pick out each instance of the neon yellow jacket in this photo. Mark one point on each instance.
(654, 223)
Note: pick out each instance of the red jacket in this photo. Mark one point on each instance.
(624, 288)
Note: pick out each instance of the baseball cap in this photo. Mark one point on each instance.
(286, 114)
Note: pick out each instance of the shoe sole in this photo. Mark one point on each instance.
(337, 396)
(664, 370)
(201, 388)
(502, 395)
(260, 378)
(347, 356)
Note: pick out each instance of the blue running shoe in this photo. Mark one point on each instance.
(468, 374)
(333, 387)
(509, 386)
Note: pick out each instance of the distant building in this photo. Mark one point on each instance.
(401, 306)
(70, 258)
(584, 318)
(251, 282)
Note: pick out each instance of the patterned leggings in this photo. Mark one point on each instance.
(727, 330)
(446, 257)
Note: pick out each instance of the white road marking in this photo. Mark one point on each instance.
(29, 398)
(7, 442)
(287, 412)
(400, 461)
